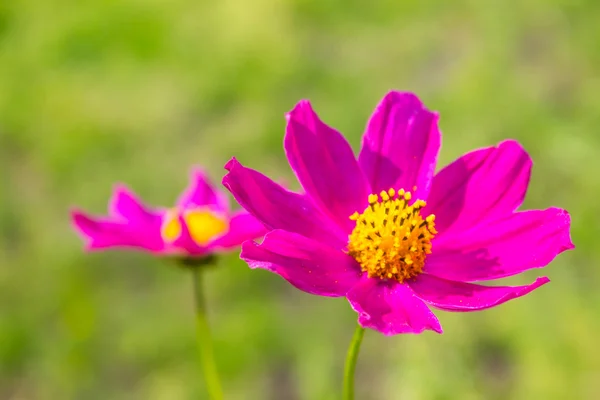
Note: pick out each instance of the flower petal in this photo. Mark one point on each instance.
(278, 208)
(325, 165)
(505, 247)
(201, 192)
(309, 265)
(459, 296)
(125, 205)
(401, 145)
(242, 227)
(391, 308)
(481, 185)
(103, 233)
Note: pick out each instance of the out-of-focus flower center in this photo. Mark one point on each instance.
(203, 225)
(391, 239)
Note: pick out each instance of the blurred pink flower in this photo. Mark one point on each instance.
(364, 231)
(199, 225)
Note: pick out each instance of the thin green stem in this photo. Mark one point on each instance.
(350, 366)
(209, 367)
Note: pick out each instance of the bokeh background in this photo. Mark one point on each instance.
(137, 91)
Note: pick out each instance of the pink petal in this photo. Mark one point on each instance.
(102, 233)
(278, 208)
(504, 247)
(391, 308)
(325, 165)
(201, 192)
(482, 185)
(401, 145)
(309, 265)
(459, 296)
(242, 227)
(125, 205)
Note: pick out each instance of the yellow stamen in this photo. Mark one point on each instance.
(171, 228)
(204, 225)
(391, 239)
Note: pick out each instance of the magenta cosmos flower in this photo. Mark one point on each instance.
(389, 234)
(199, 225)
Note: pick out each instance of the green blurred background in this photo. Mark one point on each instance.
(101, 91)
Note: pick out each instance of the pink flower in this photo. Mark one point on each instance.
(199, 225)
(419, 240)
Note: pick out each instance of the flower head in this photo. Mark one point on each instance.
(199, 225)
(386, 232)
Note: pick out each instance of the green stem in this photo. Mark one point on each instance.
(351, 358)
(207, 357)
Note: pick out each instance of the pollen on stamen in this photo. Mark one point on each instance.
(391, 238)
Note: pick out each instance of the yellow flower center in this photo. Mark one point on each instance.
(391, 239)
(203, 225)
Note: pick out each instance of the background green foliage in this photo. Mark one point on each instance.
(95, 92)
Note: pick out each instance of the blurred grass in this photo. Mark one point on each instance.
(96, 92)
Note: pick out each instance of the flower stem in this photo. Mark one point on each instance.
(205, 348)
(350, 366)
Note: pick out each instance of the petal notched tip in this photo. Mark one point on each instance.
(248, 247)
(511, 144)
(121, 189)
(541, 281)
(123, 201)
(301, 112)
(409, 102)
(125, 206)
(405, 99)
(97, 234)
(201, 192)
(231, 164)
(514, 147)
(83, 223)
(197, 175)
(567, 242)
